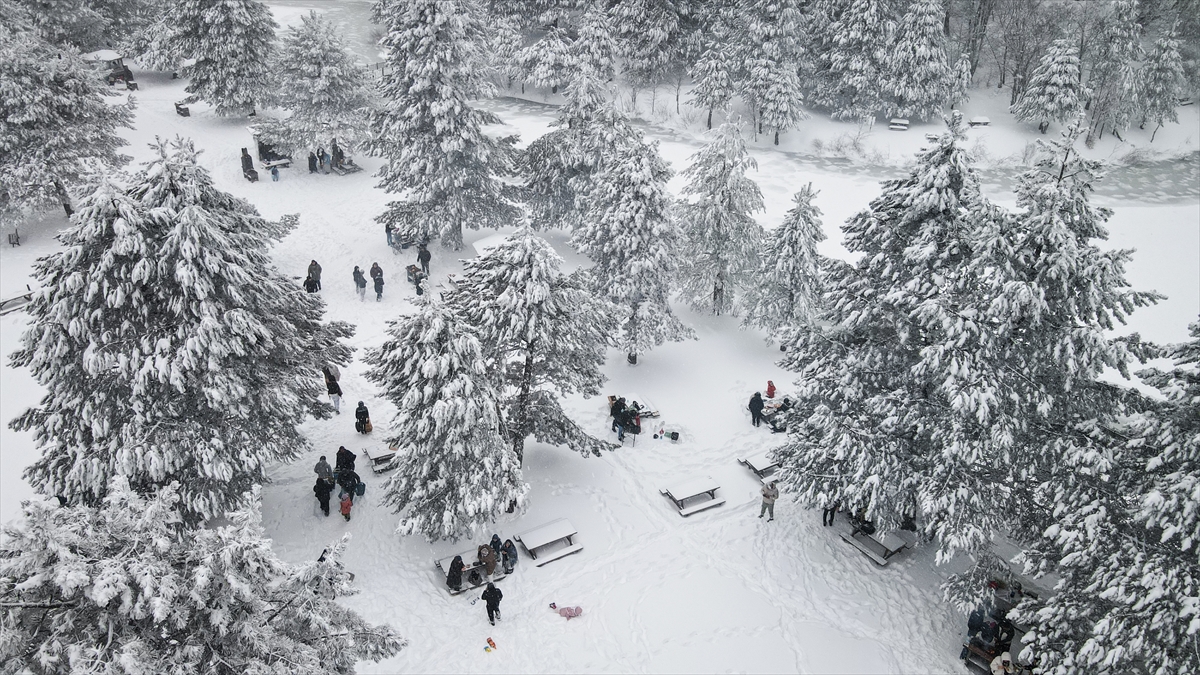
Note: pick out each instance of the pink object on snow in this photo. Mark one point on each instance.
(569, 613)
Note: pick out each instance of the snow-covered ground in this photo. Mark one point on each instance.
(719, 591)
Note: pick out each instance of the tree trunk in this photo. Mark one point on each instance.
(776, 137)
(520, 421)
(977, 31)
(946, 20)
(710, 118)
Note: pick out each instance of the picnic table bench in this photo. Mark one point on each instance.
(545, 535)
(691, 488)
(979, 122)
(898, 124)
(470, 563)
(879, 548)
(380, 458)
(762, 466)
(10, 305)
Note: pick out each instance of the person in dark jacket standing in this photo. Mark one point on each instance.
(312, 162)
(361, 418)
(360, 284)
(617, 408)
(344, 460)
(496, 545)
(492, 596)
(454, 577)
(423, 257)
(314, 271)
(323, 488)
(335, 395)
(756, 408)
(509, 556)
(348, 481)
(311, 285)
(377, 275)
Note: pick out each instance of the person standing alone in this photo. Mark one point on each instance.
(377, 275)
(756, 408)
(492, 596)
(423, 257)
(769, 494)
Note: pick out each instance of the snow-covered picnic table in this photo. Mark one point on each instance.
(470, 563)
(762, 465)
(380, 457)
(545, 535)
(680, 492)
(879, 547)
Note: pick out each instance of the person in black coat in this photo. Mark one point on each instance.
(509, 558)
(361, 417)
(360, 284)
(492, 596)
(756, 408)
(323, 488)
(311, 285)
(454, 577)
(617, 408)
(497, 545)
(312, 162)
(423, 257)
(344, 460)
(348, 480)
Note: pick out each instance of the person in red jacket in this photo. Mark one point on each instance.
(347, 504)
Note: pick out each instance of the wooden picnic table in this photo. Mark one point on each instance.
(680, 492)
(545, 535)
(470, 562)
(761, 464)
(380, 458)
(879, 547)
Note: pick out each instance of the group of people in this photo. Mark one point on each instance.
(626, 418)
(761, 411)
(343, 476)
(322, 162)
(488, 557)
(333, 377)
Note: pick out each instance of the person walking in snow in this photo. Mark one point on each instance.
(335, 395)
(312, 162)
(492, 596)
(828, 514)
(423, 257)
(346, 504)
(321, 159)
(323, 488)
(314, 271)
(615, 410)
(756, 408)
(360, 284)
(310, 284)
(348, 481)
(275, 174)
(487, 558)
(377, 276)
(345, 459)
(322, 469)
(769, 494)
(508, 556)
(454, 577)
(362, 418)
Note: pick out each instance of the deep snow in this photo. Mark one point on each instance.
(719, 591)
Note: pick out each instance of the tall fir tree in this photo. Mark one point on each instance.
(716, 69)
(1161, 83)
(649, 35)
(720, 236)
(456, 471)
(548, 62)
(787, 288)
(431, 138)
(544, 334)
(856, 60)
(919, 78)
(229, 45)
(125, 589)
(1113, 79)
(771, 52)
(325, 90)
(54, 124)
(80, 24)
(170, 347)
(1055, 93)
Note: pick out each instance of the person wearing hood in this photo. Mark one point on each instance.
(769, 494)
(492, 596)
(496, 545)
(454, 577)
(314, 271)
(508, 556)
(360, 284)
(756, 408)
(323, 489)
(487, 558)
(344, 461)
(362, 418)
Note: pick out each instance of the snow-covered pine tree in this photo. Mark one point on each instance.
(1113, 80)
(54, 124)
(436, 153)
(326, 90)
(1161, 83)
(230, 44)
(960, 83)
(544, 334)
(595, 48)
(74, 23)
(720, 236)
(856, 60)
(169, 346)
(649, 36)
(455, 471)
(714, 71)
(1054, 93)
(771, 56)
(630, 236)
(919, 79)
(124, 588)
(548, 62)
(787, 287)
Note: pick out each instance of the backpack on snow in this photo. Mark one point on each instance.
(474, 579)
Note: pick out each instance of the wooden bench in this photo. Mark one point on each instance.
(978, 122)
(16, 303)
(14, 238)
(182, 110)
(380, 458)
(690, 489)
(761, 465)
(879, 549)
(898, 124)
(545, 535)
(470, 563)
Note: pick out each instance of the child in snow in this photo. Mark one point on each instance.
(492, 597)
(310, 284)
(347, 504)
(496, 545)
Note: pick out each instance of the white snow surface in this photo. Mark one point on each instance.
(721, 591)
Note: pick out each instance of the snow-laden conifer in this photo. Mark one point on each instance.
(1054, 93)
(54, 123)
(455, 471)
(919, 78)
(1161, 83)
(544, 335)
(718, 64)
(787, 287)
(548, 62)
(720, 236)
(228, 45)
(649, 35)
(629, 234)
(1113, 79)
(326, 91)
(170, 347)
(857, 60)
(125, 589)
(770, 54)
(437, 156)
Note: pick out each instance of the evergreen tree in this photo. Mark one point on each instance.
(595, 48)
(77, 23)
(545, 336)
(721, 238)
(771, 83)
(919, 78)
(169, 346)
(432, 139)
(125, 589)
(856, 60)
(230, 44)
(1054, 93)
(787, 288)
(629, 235)
(717, 66)
(548, 62)
(649, 36)
(1161, 83)
(1113, 81)
(54, 123)
(324, 88)
(456, 472)
(960, 85)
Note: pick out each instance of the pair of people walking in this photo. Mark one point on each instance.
(332, 386)
(377, 276)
